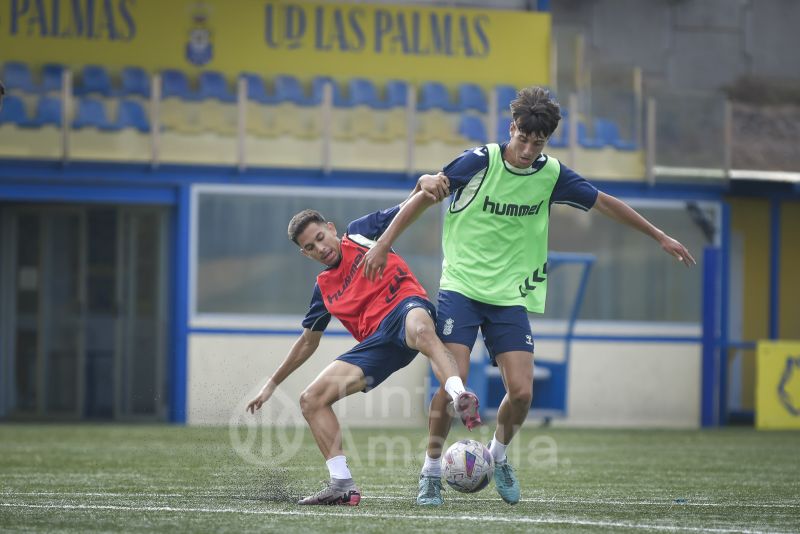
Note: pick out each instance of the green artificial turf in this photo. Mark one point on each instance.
(83, 478)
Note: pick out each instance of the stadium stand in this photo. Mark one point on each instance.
(217, 117)
(282, 108)
(94, 79)
(471, 97)
(288, 89)
(608, 132)
(362, 92)
(256, 88)
(175, 84)
(471, 128)
(505, 94)
(434, 95)
(212, 84)
(560, 138)
(503, 123)
(131, 114)
(48, 112)
(13, 111)
(17, 76)
(317, 87)
(396, 93)
(391, 125)
(586, 140)
(135, 82)
(91, 114)
(52, 74)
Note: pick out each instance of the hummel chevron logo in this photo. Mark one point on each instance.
(532, 280)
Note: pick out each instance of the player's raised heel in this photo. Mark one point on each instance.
(331, 495)
(466, 406)
(430, 491)
(506, 482)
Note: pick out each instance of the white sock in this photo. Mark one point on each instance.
(497, 449)
(454, 386)
(432, 467)
(337, 467)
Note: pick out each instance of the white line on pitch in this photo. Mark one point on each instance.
(358, 513)
(400, 496)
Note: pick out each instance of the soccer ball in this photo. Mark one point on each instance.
(468, 466)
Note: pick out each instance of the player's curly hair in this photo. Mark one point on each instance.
(535, 112)
(301, 220)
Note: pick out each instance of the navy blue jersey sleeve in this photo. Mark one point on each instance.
(462, 169)
(573, 189)
(317, 317)
(373, 225)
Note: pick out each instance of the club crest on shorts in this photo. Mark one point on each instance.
(448, 326)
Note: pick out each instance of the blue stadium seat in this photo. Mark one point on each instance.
(503, 123)
(316, 91)
(52, 74)
(17, 75)
(131, 114)
(212, 84)
(472, 128)
(396, 93)
(94, 79)
(471, 96)
(560, 138)
(608, 132)
(135, 81)
(256, 89)
(364, 93)
(505, 94)
(48, 111)
(174, 83)
(434, 95)
(91, 114)
(288, 89)
(13, 111)
(587, 141)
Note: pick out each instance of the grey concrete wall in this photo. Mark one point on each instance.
(692, 44)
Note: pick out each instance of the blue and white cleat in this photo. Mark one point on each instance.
(430, 491)
(506, 482)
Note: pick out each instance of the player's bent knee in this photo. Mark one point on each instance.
(521, 394)
(425, 336)
(309, 402)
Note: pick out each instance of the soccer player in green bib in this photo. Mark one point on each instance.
(495, 264)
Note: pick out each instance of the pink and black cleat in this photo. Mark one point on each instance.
(331, 494)
(466, 406)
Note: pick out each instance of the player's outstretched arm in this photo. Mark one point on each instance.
(619, 211)
(301, 351)
(375, 259)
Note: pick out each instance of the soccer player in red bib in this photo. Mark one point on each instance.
(391, 318)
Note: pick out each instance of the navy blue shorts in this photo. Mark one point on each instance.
(385, 351)
(504, 328)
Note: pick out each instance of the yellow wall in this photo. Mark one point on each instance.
(271, 37)
(789, 325)
(750, 219)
